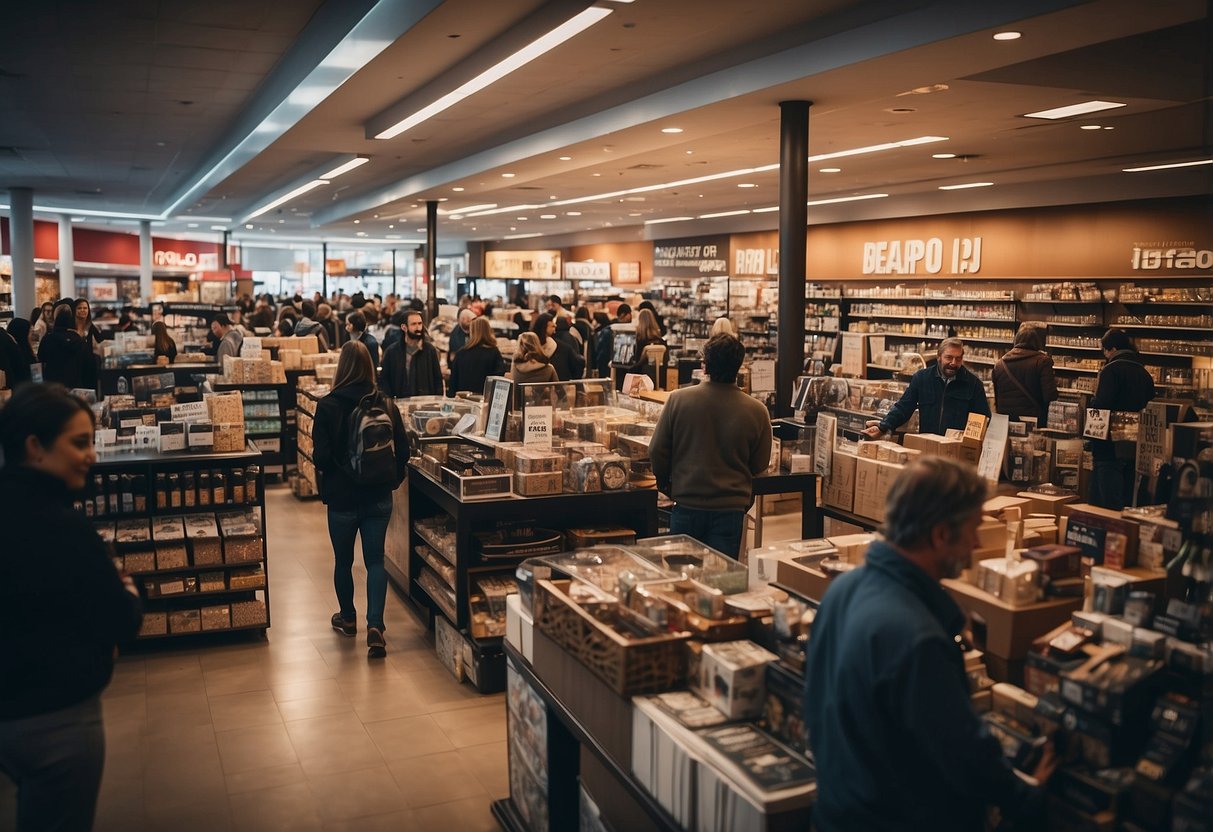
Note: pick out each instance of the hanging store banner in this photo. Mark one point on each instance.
(692, 257)
(522, 265)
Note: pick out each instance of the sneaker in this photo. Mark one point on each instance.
(341, 625)
(376, 647)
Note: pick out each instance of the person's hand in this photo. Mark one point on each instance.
(1047, 765)
(872, 430)
(128, 584)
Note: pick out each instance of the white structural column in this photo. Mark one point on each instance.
(21, 234)
(67, 258)
(145, 261)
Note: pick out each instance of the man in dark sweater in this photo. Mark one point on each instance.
(943, 395)
(890, 724)
(410, 366)
(1126, 386)
(709, 444)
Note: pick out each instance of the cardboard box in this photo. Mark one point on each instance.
(853, 548)
(732, 676)
(538, 485)
(1102, 534)
(872, 481)
(1046, 503)
(839, 490)
(931, 444)
(802, 575)
(1003, 630)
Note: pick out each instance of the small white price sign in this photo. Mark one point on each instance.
(537, 427)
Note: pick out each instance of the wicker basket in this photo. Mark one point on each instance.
(630, 666)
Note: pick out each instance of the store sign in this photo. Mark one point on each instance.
(758, 262)
(588, 270)
(104, 290)
(627, 274)
(185, 260)
(922, 256)
(334, 267)
(692, 257)
(1178, 254)
(522, 265)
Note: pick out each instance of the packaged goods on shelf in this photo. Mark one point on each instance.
(154, 623)
(682, 554)
(216, 617)
(249, 613)
(251, 578)
(184, 621)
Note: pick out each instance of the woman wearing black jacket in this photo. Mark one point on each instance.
(566, 361)
(21, 352)
(476, 360)
(65, 356)
(63, 610)
(355, 508)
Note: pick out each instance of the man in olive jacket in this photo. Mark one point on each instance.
(710, 442)
(897, 744)
(943, 395)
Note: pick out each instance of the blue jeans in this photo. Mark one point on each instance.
(56, 761)
(721, 530)
(371, 520)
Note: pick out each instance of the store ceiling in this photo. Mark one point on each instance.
(94, 112)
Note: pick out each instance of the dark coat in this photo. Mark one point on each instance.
(604, 349)
(1125, 385)
(567, 360)
(372, 346)
(940, 406)
(331, 451)
(63, 608)
(1034, 372)
(67, 359)
(13, 360)
(424, 378)
(472, 366)
(887, 709)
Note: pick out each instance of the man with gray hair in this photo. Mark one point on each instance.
(943, 395)
(890, 723)
(459, 335)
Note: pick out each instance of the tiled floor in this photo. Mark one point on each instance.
(300, 731)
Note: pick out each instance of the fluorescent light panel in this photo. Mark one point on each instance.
(345, 168)
(1169, 165)
(287, 197)
(570, 28)
(964, 185)
(521, 236)
(837, 199)
(668, 219)
(1075, 110)
(724, 214)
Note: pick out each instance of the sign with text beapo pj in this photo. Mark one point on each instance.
(922, 256)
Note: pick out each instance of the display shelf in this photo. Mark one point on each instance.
(201, 568)
(1205, 329)
(1069, 347)
(1068, 325)
(1099, 302)
(1152, 302)
(970, 319)
(1065, 369)
(221, 631)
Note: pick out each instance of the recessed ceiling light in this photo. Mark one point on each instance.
(391, 226)
(551, 196)
(375, 216)
(965, 185)
(359, 233)
(1109, 128)
(1075, 109)
(1089, 127)
(634, 214)
(690, 152)
(457, 190)
(1007, 35)
(456, 216)
(766, 210)
(195, 225)
(513, 228)
(356, 222)
(671, 129)
(547, 216)
(746, 185)
(420, 230)
(595, 174)
(1169, 165)
(566, 158)
(943, 155)
(830, 170)
(507, 176)
(572, 213)
(213, 227)
(522, 218)
(724, 214)
(668, 219)
(249, 226)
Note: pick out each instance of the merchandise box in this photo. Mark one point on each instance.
(872, 481)
(469, 487)
(932, 444)
(839, 490)
(661, 762)
(853, 548)
(1046, 503)
(448, 646)
(803, 575)
(1003, 630)
(1102, 534)
(732, 676)
(519, 627)
(783, 712)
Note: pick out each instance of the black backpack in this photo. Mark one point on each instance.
(372, 442)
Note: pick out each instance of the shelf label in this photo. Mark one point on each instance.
(762, 376)
(189, 412)
(537, 427)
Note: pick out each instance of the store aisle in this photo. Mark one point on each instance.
(300, 731)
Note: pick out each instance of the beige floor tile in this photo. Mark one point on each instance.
(204, 814)
(395, 822)
(413, 736)
(330, 744)
(278, 809)
(239, 679)
(473, 726)
(332, 705)
(306, 689)
(357, 793)
(468, 815)
(264, 778)
(489, 763)
(244, 710)
(435, 778)
(245, 749)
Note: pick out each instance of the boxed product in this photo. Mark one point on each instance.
(200, 436)
(184, 621)
(1047, 503)
(613, 535)
(241, 537)
(1056, 561)
(136, 562)
(154, 624)
(852, 548)
(211, 582)
(732, 676)
(132, 531)
(249, 613)
(932, 444)
(172, 436)
(839, 490)
(1102, 534)
(528, 461)
(202, 533)
(467, 486)
(538, 484)
(166, 529)
(251, 578)
(584, 475)
(448, 646)
(171, 556)
(218, 617)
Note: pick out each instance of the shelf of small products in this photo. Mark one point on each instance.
(190, 529)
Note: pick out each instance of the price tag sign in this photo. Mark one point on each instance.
(762, 376)
(994, 448)
(537, 427)
(823, 443)
(105, 436)
(1152, 439)
(250, 348)
(147, 437)
(1097, 422)
(190, 412)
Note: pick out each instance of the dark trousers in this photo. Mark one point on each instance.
(1111, 483)
(371, 520)
(721, 530)
(56, 761)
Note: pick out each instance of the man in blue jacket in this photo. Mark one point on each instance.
(887, 707)
(944, 395)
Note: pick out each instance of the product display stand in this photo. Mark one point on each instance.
(276, 441)
(183, 374)
(308, 486)
(811, 525)
(447, 595)
(569, 741)
(184, 578)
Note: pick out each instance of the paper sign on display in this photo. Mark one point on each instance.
(823, 444)
(147, 437)
(762, 376)
(190, 412)
(1097, 422)
(636, 383)
(1152, 439)
(499, 405)
(465, 423)
(250, 348)
(105, 436)
(853, 355)
(537, 427)
(994, 447)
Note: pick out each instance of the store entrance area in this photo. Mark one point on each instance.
(299, 730)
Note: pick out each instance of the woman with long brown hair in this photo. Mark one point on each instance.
(349, 437)
(476, 360)
(163, 343)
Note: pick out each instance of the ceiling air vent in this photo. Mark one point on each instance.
(645, 166)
